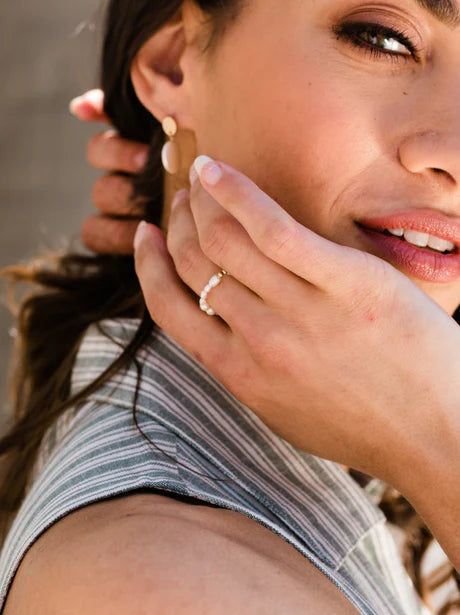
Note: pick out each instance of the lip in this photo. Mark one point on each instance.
(423, 221)
(420, 263)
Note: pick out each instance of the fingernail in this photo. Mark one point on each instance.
(73, 105)
(193, 175)
(208, 170)
(141, 159)
(140, 234)
(111, 133)
(178, 197)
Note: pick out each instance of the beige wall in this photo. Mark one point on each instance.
(44, 181)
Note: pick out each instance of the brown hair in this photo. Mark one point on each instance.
(75, 291)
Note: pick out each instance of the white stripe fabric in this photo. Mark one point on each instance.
(208, 446)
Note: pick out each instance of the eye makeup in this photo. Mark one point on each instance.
(372, 37)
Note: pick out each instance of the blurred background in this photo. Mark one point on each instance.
(48, 54)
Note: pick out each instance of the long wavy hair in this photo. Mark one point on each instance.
(73, 291)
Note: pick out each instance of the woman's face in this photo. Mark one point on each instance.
(347, 113)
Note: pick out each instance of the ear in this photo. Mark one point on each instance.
(157, 73)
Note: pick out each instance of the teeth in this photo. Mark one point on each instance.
(423, 240)
(440, 244)
(416, 238)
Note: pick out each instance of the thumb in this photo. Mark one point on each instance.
(89, 107)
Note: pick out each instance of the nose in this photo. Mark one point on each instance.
(432, 147)
(434, 154)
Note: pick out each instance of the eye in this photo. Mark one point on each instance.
(380, 41)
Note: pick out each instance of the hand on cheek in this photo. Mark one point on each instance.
(304, 323)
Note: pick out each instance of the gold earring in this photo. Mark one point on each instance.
(170, 154)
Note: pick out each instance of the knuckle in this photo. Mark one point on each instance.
(369, 288)
(236, 371)
(89, 235)
(185, 256)
(113, 194)
(99, 191)
(93, 149)
(216, 238)
(123, 237)
(124, 155)
(279, 238)
(268, 347)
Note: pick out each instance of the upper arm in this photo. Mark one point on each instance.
(168, 562)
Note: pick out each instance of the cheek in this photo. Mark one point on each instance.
(321, 150)
(316, 140)
(298, 128)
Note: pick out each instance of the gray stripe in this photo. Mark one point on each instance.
(207, 435)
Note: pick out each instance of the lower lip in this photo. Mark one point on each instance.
(415, 262)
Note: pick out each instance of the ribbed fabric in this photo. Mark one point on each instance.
(207, 446)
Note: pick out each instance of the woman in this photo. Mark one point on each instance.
(191, 67)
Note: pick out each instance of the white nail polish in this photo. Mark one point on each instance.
(73, 105)
(212, 173)
(140, 233)
(193, 175)
(200, 162)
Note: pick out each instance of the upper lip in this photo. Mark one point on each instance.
(421, 220)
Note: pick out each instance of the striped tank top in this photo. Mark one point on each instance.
(208, 446)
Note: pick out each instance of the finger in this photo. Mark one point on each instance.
(276, 234)
(105, 235)
(232, 301)
(113, 195)
(225, 242)
(89, 107)
(110, 152)
(174, 310)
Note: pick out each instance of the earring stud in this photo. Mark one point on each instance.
(170, 154)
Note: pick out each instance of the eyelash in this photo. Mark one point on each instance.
(349, 33)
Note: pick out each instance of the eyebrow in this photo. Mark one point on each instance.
(444, 10)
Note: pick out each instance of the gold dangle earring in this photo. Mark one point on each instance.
(170, 154)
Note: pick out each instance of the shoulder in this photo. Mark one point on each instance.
(149, 553)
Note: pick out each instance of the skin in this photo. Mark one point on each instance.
(293, 118)
(145, 553)
(317, 111)
(331, 137)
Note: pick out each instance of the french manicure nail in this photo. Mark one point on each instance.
(193, 175)
(73, 105)
(178, 197)
(140, 234)
(208, 170)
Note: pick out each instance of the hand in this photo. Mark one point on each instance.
(334, 349)
(112, 230)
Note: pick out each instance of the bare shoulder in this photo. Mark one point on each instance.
(146, 553)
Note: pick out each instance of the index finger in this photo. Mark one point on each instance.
(274, 231)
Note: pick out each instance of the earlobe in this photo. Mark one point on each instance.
(157, 77)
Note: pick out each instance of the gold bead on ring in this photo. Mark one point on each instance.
(213, 282)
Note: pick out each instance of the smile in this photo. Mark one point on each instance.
(422, 240)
